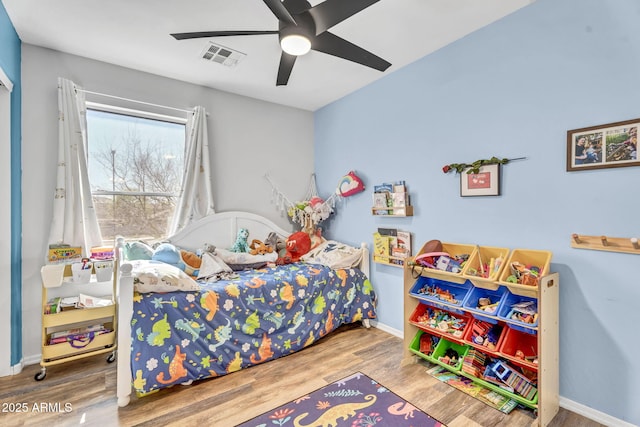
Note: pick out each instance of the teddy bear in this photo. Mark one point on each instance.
(259, 248)
(298, 244)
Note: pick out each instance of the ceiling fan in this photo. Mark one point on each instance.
(302, 28)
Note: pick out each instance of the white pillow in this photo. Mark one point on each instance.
(334, 255)
(244, 260)
(156, 276)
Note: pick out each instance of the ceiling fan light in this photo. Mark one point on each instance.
(295, 44)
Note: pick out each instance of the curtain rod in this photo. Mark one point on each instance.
(133, 100)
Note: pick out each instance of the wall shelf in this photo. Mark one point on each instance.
(605, 243)
(395, 211)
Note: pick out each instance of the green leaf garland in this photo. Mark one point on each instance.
(475, 166)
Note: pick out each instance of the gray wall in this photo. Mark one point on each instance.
(248, 138)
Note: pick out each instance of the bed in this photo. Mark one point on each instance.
(169, 338)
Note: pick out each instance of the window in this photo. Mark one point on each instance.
(135, 166)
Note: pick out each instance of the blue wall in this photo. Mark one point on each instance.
(512, 89)
(10, 62)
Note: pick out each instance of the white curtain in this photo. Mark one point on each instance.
(196, 195)
(74, 219)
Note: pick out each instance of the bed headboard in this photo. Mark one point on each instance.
(222, 228)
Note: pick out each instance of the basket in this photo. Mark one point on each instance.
(521, 348)
(444, 348)
(441, 322)
(495, 298)
(424, 344)
(486, 337)
(509, 312)
(445, 263)
(523, 269)
(440, 291)
(485, 266)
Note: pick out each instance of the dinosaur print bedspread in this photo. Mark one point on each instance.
(232, 324)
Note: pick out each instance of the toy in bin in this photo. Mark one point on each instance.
(486, 334)
(435, 257)
(428, 343)
(524, 274)
(450, 357)
(443, 321)
(524, 311)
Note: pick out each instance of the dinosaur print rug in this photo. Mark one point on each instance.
(354, 401)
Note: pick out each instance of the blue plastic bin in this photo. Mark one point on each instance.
(507, 310)
(440, 291)
(496, 297)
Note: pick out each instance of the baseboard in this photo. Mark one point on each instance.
(16, 369)
(565, 403)
(387, 329)
(32, 360)
(593, 414)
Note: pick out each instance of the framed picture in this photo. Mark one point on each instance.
(484, 183)
(613, 145)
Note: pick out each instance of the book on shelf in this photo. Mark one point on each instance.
(400, 200)
(390, 243)
(380, 200)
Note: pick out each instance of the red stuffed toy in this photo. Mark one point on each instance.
(298, 244)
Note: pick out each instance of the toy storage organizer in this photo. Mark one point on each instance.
(480, 318)
(82, 332)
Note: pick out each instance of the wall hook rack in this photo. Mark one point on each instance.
(606, 243)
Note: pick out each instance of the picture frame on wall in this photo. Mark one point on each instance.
(484, 183)
(611, 145)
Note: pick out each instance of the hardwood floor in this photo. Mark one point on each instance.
(88, 386)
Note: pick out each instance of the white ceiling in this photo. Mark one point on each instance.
(135, 34)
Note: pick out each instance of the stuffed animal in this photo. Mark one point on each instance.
(169, 254)
(241, 244)
(259, 248)
(191, 261)
(207, 248)
(137, 250)
(277, 244)
(298, 244)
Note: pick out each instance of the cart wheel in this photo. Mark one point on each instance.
(40, 375)
(111, 358)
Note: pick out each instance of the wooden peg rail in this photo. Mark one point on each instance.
(606, 243)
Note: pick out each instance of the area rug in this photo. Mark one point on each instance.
(354, 401)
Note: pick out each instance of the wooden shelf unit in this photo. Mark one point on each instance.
(53, 286)
(547, 295)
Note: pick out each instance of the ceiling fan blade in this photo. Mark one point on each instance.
(280, 11)
(284, 70)
(200, 34)
(333, 45)
(332, 12)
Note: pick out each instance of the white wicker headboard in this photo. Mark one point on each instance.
(222, 228)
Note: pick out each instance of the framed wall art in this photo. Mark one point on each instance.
(612, 145)
(484, 183)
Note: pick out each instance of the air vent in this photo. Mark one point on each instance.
(222, 55)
